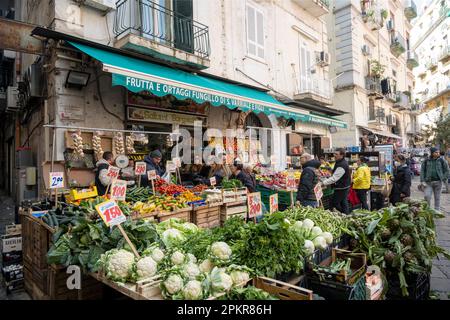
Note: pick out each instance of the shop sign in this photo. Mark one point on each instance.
(140, 168)
(273, 202)
(151, 174)
(148, 115)
(318, 192)
(110, 213)
(113, 172)
(254, 204)
(118, 190)
(56, 180)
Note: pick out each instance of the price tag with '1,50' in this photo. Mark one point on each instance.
(110, 213)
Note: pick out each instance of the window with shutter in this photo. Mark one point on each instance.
(255, 32)
(305, 69)
(371, 110)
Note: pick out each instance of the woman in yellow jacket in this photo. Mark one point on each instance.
(361, 181)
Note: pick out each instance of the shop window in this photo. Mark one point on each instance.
(371, 110)
(255, 32)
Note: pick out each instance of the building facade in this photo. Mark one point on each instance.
(275, 46)
(372, 63)
(430, 40)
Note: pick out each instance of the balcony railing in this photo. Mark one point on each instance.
(445, 53)
(402, 100)
(410, 10)
(431, 64)
(319, 87)
(160, 24)
(316, 8)
(373, 86)
(398, 44)
(412, 60)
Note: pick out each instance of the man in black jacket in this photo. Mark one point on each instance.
(153, 162)
(241, 175)
(308, 181)
(401, 187)
(341, 181)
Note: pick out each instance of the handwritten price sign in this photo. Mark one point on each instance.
(110, 212)
(170, 166)
(113, 172)
(254, 204)
(318, 192)
(140, 168)
(290, 182)
(273, 200)
(212, 181)
(151, 174)
(56, 180)
(119, 190)
(177, 162)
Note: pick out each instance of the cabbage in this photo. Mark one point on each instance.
(221, 251)
(206, 266)
(146, 267)
(177, 258)
(308, 224)
(193, 290)
(316, 231)
(309, 246)
(328, 237)
(191, 271)
(320, 243)
(220, 281)
(172, 237)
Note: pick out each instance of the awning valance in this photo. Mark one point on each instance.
(138, 75)
(381, 133)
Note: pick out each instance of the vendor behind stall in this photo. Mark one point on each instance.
(101, 172)
(128, 174)
(153, 161)
(219, 171)
(238, 173)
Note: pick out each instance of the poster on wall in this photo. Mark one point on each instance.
(386, 152)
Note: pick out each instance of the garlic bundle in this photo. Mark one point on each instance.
(130, 144)
(118, 143)
(78, 144)
(97, 145)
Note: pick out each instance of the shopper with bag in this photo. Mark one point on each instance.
(401, 180)
(361, 181)
(308, 181)
(433, 173)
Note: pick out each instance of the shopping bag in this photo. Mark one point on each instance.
(353, 197)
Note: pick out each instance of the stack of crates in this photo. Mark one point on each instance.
(12, 265)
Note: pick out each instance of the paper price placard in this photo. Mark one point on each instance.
(212, 181)
(113, 172)
(140, 168)
(119, 190)
(254, 204)
(56, 180)
(151, 174)
(177, 162)
(110, 213)
(170, 166)
(290, 182)
(273, 201)
(318, 192)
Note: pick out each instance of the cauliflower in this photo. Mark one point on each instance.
(220, 281)
(206, 266)
(157, 255)
(188, 227)
(316, 231)
(308, 224)
(320, 243)
(193, 290)
(239, 277)
(177, 258)
(221, 251)
(118, 264)
(173, 284)
(146, 267)
(171, 237)
(191, 270)
(328, 237)
(192, 258)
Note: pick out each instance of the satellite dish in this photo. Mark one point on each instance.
(122, 161)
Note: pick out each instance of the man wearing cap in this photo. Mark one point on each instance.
(153, 161)
(434, 171)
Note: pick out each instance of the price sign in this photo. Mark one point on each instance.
(170, 166)
(254, 204)
(110, 212)
(151, 174)
(318, 192)
(177, 162)
(119, 190)
(290, 182)
(212, 181)
(140, 168)
(56, 180)
(273, 201)
(113, 172)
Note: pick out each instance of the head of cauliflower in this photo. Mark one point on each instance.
(193, 290)
(146, 267)
(157, 255)
(173, 284)
(220, 281)
(239, 277)
(191, 271)
(192, 258)
(206, 266)
(177, 258)
(221, 250)
(119, 264)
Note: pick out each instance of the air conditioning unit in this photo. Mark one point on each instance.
(390, 25)
(366, 50)
(323, 58)
(102, 5)
(381, 115)
(391, 120)
(12, 99)
(33, 81)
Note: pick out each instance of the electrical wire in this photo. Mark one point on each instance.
(101, 97)
(31, 133)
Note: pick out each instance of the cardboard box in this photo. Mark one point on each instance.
(13, 229)
(11, 243)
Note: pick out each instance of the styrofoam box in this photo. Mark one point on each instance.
(11, 244)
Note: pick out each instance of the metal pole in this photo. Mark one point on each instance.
(103, 129)
(53, 147)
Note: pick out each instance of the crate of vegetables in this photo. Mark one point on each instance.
(343, 266)
(207, 216)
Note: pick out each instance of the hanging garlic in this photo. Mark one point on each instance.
(130, 144)
(118, 143)
(97, 145)
(78, 144)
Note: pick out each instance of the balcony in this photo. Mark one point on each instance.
(316, 8)
(314, 91)
(416, 108)
(431, 64)
(401, 101)
(398, 44)
(412, 60)
(410, 10)
(445, 53)
(373, 87)
(148, 28)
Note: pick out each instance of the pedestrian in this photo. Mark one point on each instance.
(361, 181)
(238, 172)
(433, 173)
(153, 162)
(341, 181)
(101, 172)
(401, 181)
(446, 180)
(308, 181)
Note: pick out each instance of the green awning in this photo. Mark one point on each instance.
(137, 75)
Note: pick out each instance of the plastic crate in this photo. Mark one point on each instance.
(418, 287)
(331, 290)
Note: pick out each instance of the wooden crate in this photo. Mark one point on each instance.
(27, 236)
(282, 290)
(183, 214)
(206, 216)
(231, 209)
(233, 195)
